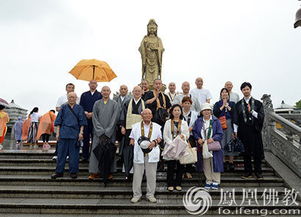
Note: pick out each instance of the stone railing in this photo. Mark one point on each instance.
(295, 117)
(284, 142)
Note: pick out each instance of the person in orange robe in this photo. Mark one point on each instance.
(25, 128)
(4, 119)
(46, 127)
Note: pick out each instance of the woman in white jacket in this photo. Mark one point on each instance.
(172, 128)
(190, 116)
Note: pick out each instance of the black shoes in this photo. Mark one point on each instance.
(57, 175)
(226, 166)
(73, 175)
(259, 176)
(247, 176)
(231, 167)
(129, 178)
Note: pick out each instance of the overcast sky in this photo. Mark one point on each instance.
(237, 40)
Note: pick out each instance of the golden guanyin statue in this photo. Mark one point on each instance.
(151, 50)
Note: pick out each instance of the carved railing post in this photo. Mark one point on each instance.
(268, 124)
(283, 142)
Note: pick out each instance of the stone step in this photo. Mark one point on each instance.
(38, 170)
(32, 162)
(39, 154)
(99, 215)
(26, 189)
(227, 181)
(49, 162)
(111, 215)
(97, 192)
(113, 206)
(26, 154)
(95, 215)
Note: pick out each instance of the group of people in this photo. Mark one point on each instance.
(35, 127)
(29, 130)
(150, 129)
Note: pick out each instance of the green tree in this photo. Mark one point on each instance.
(298, 104)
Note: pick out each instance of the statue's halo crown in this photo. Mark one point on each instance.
(152, 22)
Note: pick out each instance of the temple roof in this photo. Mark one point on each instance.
(4, 102)
(13, 105)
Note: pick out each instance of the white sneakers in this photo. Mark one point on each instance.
(135, 199)
(152, 199)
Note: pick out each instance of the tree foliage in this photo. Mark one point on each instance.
(298, 104)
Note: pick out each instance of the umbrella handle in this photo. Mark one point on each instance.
(93, 72)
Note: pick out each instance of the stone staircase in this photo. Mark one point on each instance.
(26, 189)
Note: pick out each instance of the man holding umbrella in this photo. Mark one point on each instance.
(145, 137)
(87, 101)
(104, 117)
(130, 114)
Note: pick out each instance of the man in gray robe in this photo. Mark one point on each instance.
(104, 118)
(121, 99)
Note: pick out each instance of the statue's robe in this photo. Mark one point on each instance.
(151, 50)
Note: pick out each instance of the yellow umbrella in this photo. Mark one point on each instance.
(93, 69)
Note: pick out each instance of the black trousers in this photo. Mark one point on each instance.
(45, 137)
(88, 135)
(248, 163)
(174, 168)
(253, 148)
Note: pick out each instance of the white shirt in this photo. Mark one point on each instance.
(154, 155)
(63, 99)
(167, 134)
(234, 97)
(206, 127)
(136, 101)
(35, 117)
(201, 94)
(193, 117)
(195, 103)
(247, 99)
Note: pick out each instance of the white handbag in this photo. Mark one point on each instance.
(190, 156)
(206, 153)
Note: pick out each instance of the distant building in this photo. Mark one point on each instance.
(14, 111)
(284, 108)
(3, 102)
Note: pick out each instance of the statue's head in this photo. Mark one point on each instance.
(152, 27)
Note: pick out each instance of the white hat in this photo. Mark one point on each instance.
(205, 106)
